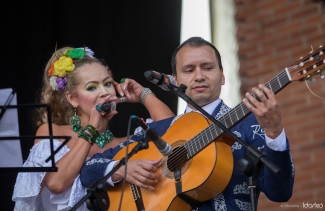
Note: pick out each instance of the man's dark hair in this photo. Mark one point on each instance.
(195, 42)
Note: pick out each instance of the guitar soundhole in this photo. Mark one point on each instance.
(178, 159)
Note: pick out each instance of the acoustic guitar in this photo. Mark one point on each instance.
(201, 152)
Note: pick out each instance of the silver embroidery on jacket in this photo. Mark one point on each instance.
(241, 189)
(123, 144)
(237, 134)
(98, 160)
(236, 146)
(243, 205)
(223, 110)
(262, 147)
(219, 203)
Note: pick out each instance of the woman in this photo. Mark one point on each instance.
(76, 84)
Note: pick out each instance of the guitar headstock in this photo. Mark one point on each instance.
(309, 66)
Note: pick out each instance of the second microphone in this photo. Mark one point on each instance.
(163, 147)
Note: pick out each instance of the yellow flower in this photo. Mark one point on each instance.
(62, 66)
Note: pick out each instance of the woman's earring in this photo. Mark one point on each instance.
(75, 121)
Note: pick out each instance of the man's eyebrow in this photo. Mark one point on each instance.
(207, 63)
(187, 66)
(202, 64)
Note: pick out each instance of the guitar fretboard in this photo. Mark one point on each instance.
(230, 119)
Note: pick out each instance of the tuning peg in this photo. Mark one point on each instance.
(322, 76)
(312, 80)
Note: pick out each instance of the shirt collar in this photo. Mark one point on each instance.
(208, 108)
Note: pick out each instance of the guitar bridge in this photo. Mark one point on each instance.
(137, 197)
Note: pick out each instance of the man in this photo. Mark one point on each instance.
(196, 63)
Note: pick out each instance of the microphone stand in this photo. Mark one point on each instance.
(96, 197)
(251, 163)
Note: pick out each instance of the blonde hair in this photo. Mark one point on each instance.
(61, 109)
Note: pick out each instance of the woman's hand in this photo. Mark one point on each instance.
(99, 119)
(130, 89)
(140, 173)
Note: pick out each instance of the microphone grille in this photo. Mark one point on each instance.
(149, 74)
(107, 107)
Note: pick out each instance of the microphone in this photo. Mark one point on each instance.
(160, 79)
(163, 147)
(108, 106)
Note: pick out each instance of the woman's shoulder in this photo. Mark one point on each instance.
(43, 130)
(57, 130)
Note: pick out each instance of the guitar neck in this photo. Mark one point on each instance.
(233, 117)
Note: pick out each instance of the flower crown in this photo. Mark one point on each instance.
(65, 64)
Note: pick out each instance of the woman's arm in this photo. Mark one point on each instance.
(157, 109)
(69, 165)
(131, 90)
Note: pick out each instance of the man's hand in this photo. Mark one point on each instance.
(266, 110)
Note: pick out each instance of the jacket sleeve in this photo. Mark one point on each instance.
(276, 187)
(94, 169)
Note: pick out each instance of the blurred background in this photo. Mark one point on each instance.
(256, 39)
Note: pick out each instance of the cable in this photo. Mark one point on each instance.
(126, 161)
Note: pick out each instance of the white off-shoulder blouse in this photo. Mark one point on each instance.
(27, 191)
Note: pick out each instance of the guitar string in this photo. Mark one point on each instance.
(313, 92)
(318, 63)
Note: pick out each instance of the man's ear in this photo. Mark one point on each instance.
(223, 80)
(175, 77)
(71, 99)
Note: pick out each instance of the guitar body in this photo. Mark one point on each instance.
(204, 176)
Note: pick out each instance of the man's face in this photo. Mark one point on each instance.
(198, 69)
